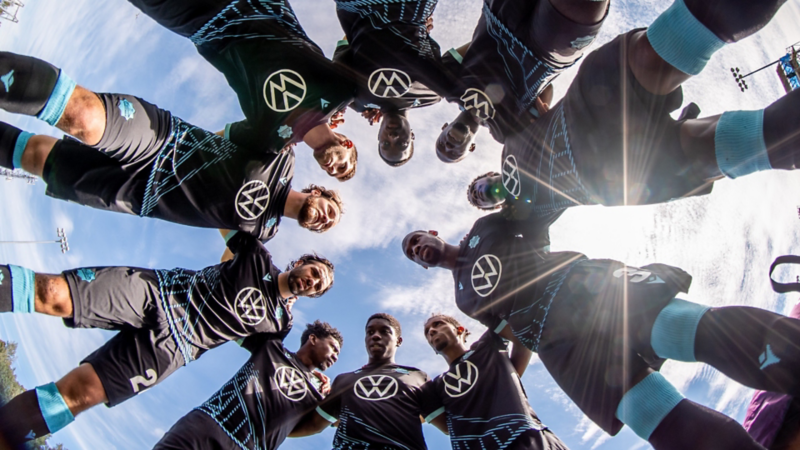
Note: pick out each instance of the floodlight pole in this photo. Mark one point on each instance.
(18, 174)
(739, 78)
(62, 241)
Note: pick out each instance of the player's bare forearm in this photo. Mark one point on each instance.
(440, 422)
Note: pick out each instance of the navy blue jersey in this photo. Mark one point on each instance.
(377, 408)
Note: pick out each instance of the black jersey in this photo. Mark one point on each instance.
(225, 302)
(485, 401)
(388, 44)
(502, 275)
(267, 397)
(377, 408)
(285, 84)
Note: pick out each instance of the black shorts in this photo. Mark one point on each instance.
(621, 132)
(196, 431)
(127, 299)
(596, 338)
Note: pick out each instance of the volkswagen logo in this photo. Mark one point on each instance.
(284, 90)
(389, 83)
(486, 274)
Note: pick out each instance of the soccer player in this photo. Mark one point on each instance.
(517, 49)
(378, 405)
(603, 329)
(165, 318)
(389, 44)
(287, 88)
(142, 160)
(624, 148)
(258, 408)
(481, 394)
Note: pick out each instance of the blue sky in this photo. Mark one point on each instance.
(725, 240)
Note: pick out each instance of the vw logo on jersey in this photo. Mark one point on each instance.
(459, 380)
(478, 103)
(389, 83)
(251, 306)
(291, 383)
(252, 199)
(375, 387)
(486, 274)
(511, 179)
(284, 90)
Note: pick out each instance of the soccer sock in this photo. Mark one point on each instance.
(739, 143)
(17, 286)
(673, 334)
(12, 145)
(690, 425)
(33, 87)
(33, 414)
(757, 348)
(781, 134)
(645, 405)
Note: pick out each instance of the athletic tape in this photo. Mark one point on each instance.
(22, 283)
(675, 329)
(54, 409)
(739, 143)
(57, 102)
(644, 406)
(19, 149)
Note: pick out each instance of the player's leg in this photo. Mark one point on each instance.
(51, 407)
(681, 40)
(195, 430)
(22, 290)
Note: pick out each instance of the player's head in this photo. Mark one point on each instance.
(457, 139)
(339, 158)
(395, 139)
(383, 336)
(310, 276)
(425, 248)
(323, 343)
(487, 192)
(322, 209)
(443, 331)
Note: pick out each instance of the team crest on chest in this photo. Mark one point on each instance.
(375, 387)
(252, 200)
(284, 90)
(460, 379)
(486, 274)
(389, 83)
(251, 306)
(290, 383)
(511, 179)
(478, 103)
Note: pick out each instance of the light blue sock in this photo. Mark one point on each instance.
(57, 103)
(22, 285)
(675, 328)
(19, 149)
(739, 143)
(644, 406)
(54, 409)
(681, 40)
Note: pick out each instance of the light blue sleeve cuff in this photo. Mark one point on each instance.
(326, 416)
(230, 235)
(500, 327)
(434, 414)
(644, 406)
(739, 143)
(19, 148)
(457, 56)
(227, 133)
(341, 43)
(22, 284)
(54, 409)
(57, 103)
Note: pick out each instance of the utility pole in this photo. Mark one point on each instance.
(18, 174)
(62, 241)
(9, 10)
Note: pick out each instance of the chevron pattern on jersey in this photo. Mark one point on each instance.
(236, 21)
(502, 431)
(177, 287)
(341, 441)
(185, 141)
(383, 13)
(228, 409)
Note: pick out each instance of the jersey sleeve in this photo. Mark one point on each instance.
(244, 135)
(431, 404)
(330, 408)
(240, 242)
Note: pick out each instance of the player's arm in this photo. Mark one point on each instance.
(440, 422)
(312, 423)
(227, 255)
(520, 356)
(220, 133)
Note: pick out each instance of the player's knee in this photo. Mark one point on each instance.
(84, 116)
(53, 295)
(81, 389)
(36, 152)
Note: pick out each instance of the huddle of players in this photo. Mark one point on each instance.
(136, 158)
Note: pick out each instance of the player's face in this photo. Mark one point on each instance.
(454, 141)
(381, 339)
(324, 352)
(440, 334)
(487, 192)
(309, 279)
(318, 213)
(395, 137)
(424, 248)
(335, 160)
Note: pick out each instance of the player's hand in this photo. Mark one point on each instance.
(373, 115)
(429, 23)
(290, 302)
(337, 119)
(325, 387)
(541, 107)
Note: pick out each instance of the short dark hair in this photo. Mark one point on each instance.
(472, 183)
(321, 330)
(394, 323)
(397, 163)
(313, 257)
(449, 319)
(330, 194)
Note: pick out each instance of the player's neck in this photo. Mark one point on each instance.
(453, 352)
(283, 285)
(320, 137)
(294, 202)
(378, 362)
(450, 259)
(304, 355)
